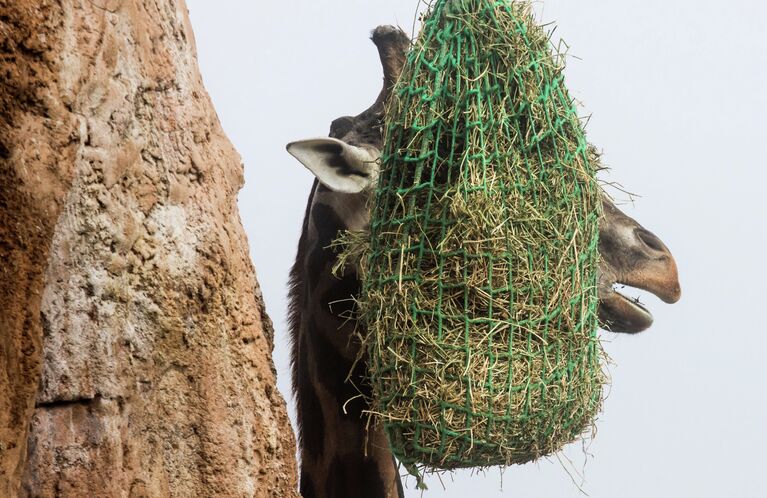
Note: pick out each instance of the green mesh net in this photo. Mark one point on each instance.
(480, 272)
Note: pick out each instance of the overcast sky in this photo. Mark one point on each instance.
(677, 90)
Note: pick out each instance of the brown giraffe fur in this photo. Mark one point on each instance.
(341, 455)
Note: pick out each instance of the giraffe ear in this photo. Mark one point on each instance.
(339, 166)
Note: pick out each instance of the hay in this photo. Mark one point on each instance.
(480, 271)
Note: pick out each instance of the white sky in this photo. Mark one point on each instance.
(678, 93)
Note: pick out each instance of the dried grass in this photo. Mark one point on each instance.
(480, 268)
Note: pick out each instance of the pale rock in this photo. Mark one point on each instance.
(135, 354)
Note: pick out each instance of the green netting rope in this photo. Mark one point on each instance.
(480, 272)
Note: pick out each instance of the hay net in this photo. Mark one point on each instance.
(480, 272)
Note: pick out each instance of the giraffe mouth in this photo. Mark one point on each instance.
(620, 313)
(633, 301)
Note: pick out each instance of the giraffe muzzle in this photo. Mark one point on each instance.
(635, 257)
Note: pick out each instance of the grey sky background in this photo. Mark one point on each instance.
(678, 97)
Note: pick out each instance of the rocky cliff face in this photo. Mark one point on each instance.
(135, 351)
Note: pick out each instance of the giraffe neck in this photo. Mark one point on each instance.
(341, 454)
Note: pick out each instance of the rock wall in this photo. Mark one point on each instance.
(135, 353)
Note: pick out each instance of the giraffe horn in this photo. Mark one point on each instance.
(392, 44)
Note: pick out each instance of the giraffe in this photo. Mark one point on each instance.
(342, 455)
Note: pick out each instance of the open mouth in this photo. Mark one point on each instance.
(634, 302)
(618, 310)
(620, 313)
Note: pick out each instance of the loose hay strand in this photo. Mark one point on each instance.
(480, 270)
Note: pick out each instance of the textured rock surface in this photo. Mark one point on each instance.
(135, 351)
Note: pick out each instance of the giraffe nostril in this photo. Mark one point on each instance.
(650, 240)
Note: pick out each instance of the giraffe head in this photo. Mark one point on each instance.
(347, 163)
